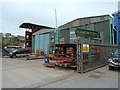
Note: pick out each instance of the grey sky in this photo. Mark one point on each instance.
(43, 13)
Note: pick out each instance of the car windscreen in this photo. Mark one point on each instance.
(9, 49)
(15, 50)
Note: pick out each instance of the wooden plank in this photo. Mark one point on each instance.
(48, 65)
(73, 66)
(69, 59)
(32, 58)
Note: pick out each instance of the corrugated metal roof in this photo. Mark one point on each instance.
(43, 31)
(84, 18)
(84, 24)
(31, 25)
(94, 16)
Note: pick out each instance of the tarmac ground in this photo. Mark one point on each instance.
(18, 73)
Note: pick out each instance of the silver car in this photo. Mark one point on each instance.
(114, 60)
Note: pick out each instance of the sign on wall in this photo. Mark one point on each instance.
(86, 33)
(86, 48)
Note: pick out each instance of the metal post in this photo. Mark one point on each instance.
(81, 55)
(56, 18)
(77, 55)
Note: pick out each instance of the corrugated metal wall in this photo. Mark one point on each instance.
(103, 28)
(42, 42)
(46, 43)
(112, 31)
(73, 38)
(56, 37)
(33, 43)
(52, 38)
(64, 36)
(88, 27)
(36, 42)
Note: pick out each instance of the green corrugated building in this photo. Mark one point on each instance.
(103, 25)
(98, 29)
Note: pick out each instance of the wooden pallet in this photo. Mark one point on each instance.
(32, 58)
(49, 65)
(67, 59)
(73, 66)
(4, 56)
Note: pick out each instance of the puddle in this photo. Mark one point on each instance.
(95, 76)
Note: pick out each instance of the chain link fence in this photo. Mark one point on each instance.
(96, 57)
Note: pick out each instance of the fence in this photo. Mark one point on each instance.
(96, 57)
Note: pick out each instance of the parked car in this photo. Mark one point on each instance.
(114, 60)
(9, 49)
(19, 52)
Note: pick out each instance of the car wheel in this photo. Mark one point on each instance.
(111, 68)
(11, 57)
(14, 56)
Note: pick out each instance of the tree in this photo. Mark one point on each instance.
(11, 41)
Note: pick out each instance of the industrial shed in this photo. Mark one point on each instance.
(102, 24)
(85, 20)
(103, 28)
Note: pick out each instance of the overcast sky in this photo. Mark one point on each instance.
(43, 12)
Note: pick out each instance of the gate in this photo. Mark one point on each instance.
(97, 55)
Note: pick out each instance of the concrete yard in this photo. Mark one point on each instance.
(18, 73)
(99, 78)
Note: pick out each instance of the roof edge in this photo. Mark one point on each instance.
(84, 18)
(21, 26)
